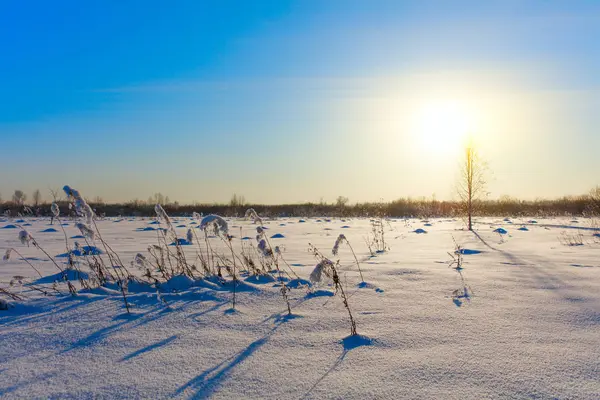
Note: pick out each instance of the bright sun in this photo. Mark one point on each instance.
(442, 126)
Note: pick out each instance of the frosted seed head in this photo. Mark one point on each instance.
(55, 209)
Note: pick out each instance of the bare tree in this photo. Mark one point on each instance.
(37, 197)
(341, 201)
(157, 198)
(19, 197)
(472, 183)
(237, 201)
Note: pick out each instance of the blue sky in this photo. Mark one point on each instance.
(287, 101)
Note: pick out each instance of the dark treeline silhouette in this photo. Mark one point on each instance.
(405, 207)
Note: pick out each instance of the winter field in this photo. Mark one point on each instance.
(521, 319)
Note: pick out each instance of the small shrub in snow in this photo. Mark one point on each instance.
(326, 268)
(456, 263)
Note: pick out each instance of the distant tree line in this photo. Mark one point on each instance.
(584, 205)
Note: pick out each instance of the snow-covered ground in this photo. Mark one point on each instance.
(531, 328)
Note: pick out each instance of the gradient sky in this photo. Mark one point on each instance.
(292, 101)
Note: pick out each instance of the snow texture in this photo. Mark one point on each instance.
(530, 328)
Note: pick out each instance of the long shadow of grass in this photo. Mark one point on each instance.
(205, 384)
(52, 308)
(132, 321)
(149, 348)
(350, 342)
(7, 390)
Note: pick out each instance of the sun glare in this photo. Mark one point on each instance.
(442, 126)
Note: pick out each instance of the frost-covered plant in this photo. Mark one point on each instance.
(264, 249)
(85, 230)
(456, 263)
(376, 240)
(82, 208)
(267, 253)
(316, 276)
(5, 304)
(336, 247)
(326, 267)
(219, 224)
(161, 214)
(84, 211)
(8, 254)
(21, 281)
(140, 259)
(182, 266)
(25, 237)
(251, 214)
(55, 210)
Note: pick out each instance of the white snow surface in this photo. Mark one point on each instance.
(531, 329)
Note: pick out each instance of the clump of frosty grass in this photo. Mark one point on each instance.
(376, 240)
(164, 267)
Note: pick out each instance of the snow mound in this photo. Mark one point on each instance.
(277, 236)
(49, 230)
(181, 242)
(354, 341)
(467, 252)
(83, 251)
(319, 293)
(297, 283)
(420, 231)
(69, 274)
(179, 283)
(260, 279)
